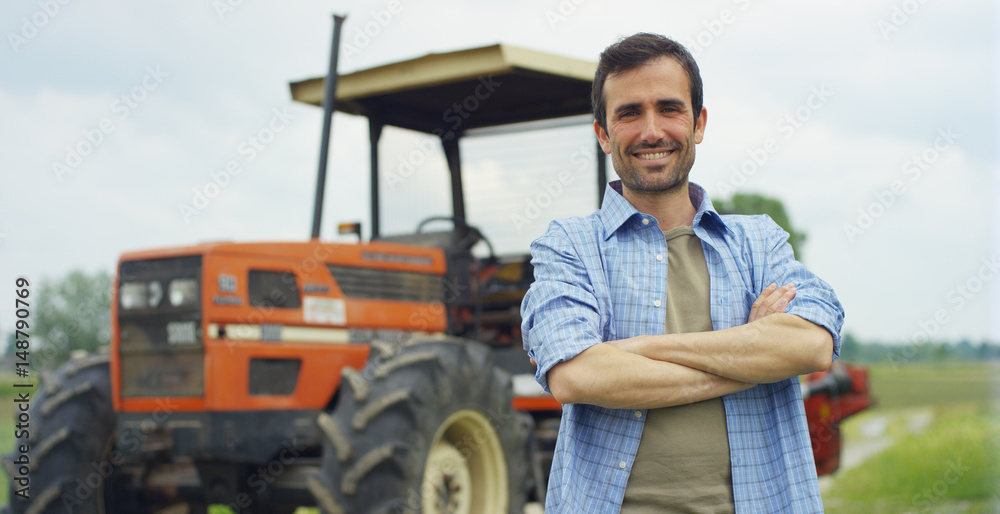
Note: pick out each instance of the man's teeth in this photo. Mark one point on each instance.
(652, 156)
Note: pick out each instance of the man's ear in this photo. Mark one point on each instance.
(699, 126)
(602, 137)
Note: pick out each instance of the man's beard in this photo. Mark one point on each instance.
(628, 167)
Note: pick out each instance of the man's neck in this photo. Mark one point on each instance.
(671, 208)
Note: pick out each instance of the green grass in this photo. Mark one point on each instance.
(922, 384)
(913, 475)
(222, 509)
(952, 466)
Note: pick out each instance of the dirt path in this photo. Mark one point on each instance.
(875, 433)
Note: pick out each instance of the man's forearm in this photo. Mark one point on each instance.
(767, 350)
(610, 377)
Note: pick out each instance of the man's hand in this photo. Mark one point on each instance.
(773, 300)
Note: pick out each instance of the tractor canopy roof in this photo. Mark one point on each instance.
(462, 90)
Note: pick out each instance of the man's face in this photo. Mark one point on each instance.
(651, 129)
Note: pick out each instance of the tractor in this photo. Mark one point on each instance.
(383, 375)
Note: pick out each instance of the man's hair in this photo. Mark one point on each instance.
(635, 51)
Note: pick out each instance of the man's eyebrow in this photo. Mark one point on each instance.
(627, 107)
(671, 102)
(667, 102)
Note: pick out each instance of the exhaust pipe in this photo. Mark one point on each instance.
(329, 102)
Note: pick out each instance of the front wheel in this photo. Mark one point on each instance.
(70, 439)
(428, 429)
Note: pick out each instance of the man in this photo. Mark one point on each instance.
(659, 324)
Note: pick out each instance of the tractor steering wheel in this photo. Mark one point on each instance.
(472, 233)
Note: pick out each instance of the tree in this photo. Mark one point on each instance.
(753, 203)
(850, 348)
(11, 339)
(71, 313)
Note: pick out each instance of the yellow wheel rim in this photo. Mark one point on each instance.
(466, 472)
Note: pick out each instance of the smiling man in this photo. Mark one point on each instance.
(660, 326)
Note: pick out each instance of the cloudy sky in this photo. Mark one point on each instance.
(874, 121)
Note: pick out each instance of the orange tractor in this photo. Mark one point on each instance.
(380, 376)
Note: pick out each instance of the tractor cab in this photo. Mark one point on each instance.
(451, 96)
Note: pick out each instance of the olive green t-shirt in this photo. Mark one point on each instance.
(682, 464)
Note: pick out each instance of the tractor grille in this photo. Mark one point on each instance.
(378, 284)
(160, 339)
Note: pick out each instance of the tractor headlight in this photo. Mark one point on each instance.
(133, 295)
(140, 295)
(183, 292)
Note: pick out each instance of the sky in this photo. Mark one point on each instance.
(875, 122)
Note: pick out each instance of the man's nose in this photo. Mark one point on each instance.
(652, 131)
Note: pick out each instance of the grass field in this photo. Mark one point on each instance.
(951, 466)
(935, 384)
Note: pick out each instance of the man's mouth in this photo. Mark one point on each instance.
(653, 156)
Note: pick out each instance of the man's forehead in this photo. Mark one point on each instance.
(668, 71)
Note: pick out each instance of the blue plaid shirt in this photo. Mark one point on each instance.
(596, 279)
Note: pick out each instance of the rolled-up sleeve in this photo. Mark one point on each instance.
(559, 313)
(814, 299)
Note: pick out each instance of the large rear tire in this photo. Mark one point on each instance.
(427, 427)
(70, 438)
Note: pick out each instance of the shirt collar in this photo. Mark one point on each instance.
(616, 210)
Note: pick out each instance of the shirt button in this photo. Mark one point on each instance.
(638, 413)
(645, 221)
(622, 464)
(656, 303)
(659, 257)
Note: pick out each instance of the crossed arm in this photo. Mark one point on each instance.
(676, 369)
